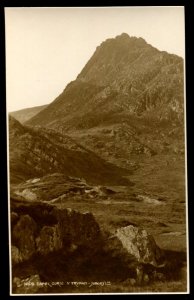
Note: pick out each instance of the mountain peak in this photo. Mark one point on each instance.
(114, 57)
(125, 74)
(123, 39)
(123, 36)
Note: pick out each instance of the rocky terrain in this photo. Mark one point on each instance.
(79, 251)
(98, 179)
(52, 220)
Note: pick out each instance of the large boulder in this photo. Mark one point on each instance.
(139, 244)
(77, 228)
(45, 229)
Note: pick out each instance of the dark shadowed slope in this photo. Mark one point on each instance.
(36, 152)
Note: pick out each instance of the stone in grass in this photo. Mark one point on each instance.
(140, 244)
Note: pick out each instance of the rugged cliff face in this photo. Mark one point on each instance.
(126, 76)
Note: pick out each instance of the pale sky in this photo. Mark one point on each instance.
(46, 48)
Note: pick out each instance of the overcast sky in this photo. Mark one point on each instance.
(46, 48)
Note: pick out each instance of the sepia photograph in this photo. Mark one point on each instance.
(97, 150)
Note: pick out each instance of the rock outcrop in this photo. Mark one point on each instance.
(59, 229)
(56, 188)
(139, 244)
(43, 228)
(136, 247)
(73, 242)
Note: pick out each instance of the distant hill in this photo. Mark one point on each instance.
(25, 114)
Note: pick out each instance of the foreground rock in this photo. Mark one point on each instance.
(58, 244)
(139, 252)
(42, 229)
(140, 244)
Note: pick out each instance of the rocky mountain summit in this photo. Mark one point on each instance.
(124, 76)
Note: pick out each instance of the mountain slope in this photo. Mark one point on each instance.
(38, 152)
(23, 115)
(125, 76)
(127, 101)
